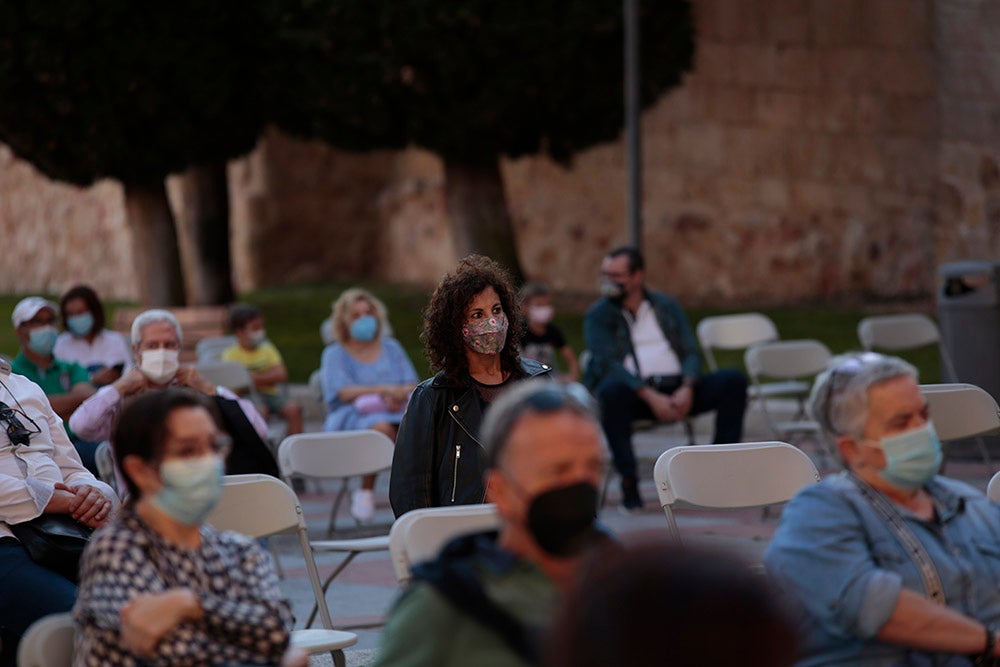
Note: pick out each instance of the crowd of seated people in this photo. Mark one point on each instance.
(886, 563)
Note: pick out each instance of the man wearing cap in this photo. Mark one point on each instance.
(65, 383)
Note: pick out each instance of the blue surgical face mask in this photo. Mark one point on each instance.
(364, 328)
(41, 340)
(80, 325)
(912, 458)
(191, 488)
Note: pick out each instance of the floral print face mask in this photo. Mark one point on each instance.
(486, 336)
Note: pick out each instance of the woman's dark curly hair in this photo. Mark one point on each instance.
(445, 315)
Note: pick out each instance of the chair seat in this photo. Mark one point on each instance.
(360, 545)
(771, 389)
(316, 640)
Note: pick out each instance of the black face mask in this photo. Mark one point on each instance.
(561, 520)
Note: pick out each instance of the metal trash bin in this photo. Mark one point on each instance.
(969, 316)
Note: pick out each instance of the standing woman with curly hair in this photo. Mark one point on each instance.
(472, 334)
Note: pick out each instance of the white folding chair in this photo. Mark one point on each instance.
(993, 489)
(231, 375)
(733, 332)
(338, 455)
(791, 360)
(904, 331)
(752, 474)
(48, 642)
(419, 534)
(210, 348)
(262, 506)
(962, 410)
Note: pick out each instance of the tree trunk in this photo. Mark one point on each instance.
(154, 245)
(202, 213)
(480, 221)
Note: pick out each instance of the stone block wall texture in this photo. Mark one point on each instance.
(818, 148)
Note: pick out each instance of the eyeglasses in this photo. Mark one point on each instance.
(18, 433)
(841, 376)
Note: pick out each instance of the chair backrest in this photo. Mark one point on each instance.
(961, 410)
(786, 359)
(419, 534)
(751, 474)
(257, 505)
(229, 374)
(733, 332)
(211, 348)
(105, 459)
(48, 642)
(902, 331)
(335, 455)
(993, 488)
(261, 506)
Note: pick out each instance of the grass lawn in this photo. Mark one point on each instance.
(294, 314)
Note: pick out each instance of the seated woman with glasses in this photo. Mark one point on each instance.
(40, 473)
(888, 563)
(158, 586)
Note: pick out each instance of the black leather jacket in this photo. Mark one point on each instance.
(439, 459)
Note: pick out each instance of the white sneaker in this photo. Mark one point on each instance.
(363, 506)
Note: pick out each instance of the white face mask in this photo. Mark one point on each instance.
(159, 366)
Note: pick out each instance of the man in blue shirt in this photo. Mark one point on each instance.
(888, 563)
(645, 364)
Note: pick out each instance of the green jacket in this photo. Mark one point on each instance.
(425, 628)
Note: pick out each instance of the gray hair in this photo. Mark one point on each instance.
(535, 397)
(153, 316)
(839, 397)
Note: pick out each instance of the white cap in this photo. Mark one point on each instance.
(28, 307)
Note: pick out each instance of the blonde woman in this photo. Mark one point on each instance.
(367, 378)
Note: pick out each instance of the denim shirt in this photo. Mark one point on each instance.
(609, 339)
(842, 568)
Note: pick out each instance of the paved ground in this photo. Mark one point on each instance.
(364, 592)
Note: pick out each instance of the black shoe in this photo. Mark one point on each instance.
(631, 500)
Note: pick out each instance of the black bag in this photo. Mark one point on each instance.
(54, 541)
(250, 454)
(666, 384)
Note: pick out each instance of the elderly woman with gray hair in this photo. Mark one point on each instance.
(888, 562)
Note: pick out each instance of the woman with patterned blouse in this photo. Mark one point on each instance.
(158, 586)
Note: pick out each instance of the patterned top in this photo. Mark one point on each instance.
(246, 617)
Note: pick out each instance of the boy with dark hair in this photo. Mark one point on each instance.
(267, 369)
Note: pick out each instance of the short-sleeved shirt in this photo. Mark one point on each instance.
(108, 349)
(543, 347)
(58, 378)
(264, 357)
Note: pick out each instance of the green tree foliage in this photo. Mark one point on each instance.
(133, 91)
(473, 81)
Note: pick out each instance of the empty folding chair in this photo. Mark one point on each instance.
(733, 332)
(419, 534)
(753, 474)
(962, 410)
(904, 331)
(262, 506)
(798, 361)
(337, 455)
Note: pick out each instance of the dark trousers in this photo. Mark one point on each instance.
(724, 391)
(28, 592)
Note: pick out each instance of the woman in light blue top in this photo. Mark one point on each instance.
(888, 563)
(367, 378)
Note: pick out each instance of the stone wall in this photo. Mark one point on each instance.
(818, 148)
